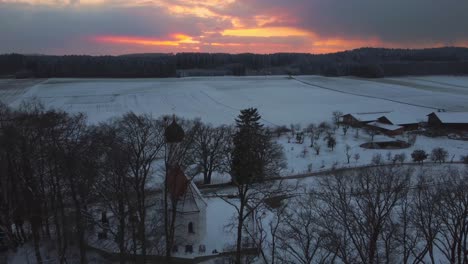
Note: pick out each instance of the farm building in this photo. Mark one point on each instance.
(408, 123)
(361, 119)
(448, 120)
(387, 129)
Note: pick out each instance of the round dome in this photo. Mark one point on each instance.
(174, 133)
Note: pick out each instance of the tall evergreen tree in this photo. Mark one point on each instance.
(249, 140)
(254, 156)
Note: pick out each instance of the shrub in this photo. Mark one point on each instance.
(419, 156)
(439, 155)
(464, 159)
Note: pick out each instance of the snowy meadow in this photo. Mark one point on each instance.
(295, 103)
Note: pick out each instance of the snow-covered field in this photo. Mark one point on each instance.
(280, 100)
(217, 100)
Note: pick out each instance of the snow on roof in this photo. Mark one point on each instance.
(385, 126)
(404, 118)
(453, 117)
(366, 117)
(192, 201)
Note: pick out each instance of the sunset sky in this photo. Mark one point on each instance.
(100, 27)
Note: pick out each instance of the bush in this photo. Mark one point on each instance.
(419, 156)
(464, 159)
(399, 158)
(377, 159)
(439, 155)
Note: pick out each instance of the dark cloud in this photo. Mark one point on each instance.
(68, 27)
(40, 29)
(398, 21)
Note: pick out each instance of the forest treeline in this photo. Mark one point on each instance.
(364, 62)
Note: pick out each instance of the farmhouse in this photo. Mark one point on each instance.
(387, 129)
(408, 123)
(448, 120)
(361, 119)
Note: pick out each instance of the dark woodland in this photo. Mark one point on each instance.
(364, 62)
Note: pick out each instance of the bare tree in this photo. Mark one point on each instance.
(356, 157)
(359, 207)
(345, 129)
(377, 159)
(311, 130)
(143, 143)
(399, 158)
(323, 127)
(452, 213)
(337, 118)
(317, 147)
(266, 234)
(331, 141)
(300, 238)
(210, 148)
(371, 131)
(348, 153)
(424, 206)
(407, 237)
(439, 155)
(112, 188)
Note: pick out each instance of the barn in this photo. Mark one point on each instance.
(361, 119)
(408, 122)
(448, 120)
(387, 129)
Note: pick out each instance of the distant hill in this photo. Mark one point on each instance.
(363, 62)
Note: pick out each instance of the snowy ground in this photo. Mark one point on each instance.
(298, 163)
(280, 100)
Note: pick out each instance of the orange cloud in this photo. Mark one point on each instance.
(175, 40)
(266, 32)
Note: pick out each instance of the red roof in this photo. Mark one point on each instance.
(177, 182)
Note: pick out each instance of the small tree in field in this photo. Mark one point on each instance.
(439, 155)
(345, 129)
(336, 118)
(323, 127)
(356, 157)
(377, 159)
(419, 156)
(399, 158)
(371, 131)
(317, 147)
(331, 142)
(304, 152)
(310, 130)
(347, 152)
(356, 135)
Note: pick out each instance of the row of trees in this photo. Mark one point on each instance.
(61, 174)
(57, 169)
(386, 214)
(364, 62)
